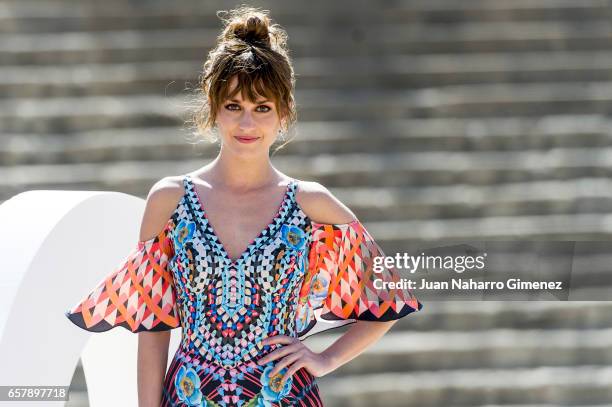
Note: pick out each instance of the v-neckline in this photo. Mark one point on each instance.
(268, 230)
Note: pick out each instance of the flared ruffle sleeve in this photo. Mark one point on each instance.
(138, 295)
(340, 284)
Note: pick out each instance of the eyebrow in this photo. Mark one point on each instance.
(258, 101)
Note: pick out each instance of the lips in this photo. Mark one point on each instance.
(246, 139)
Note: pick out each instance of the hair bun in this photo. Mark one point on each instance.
(249, 25)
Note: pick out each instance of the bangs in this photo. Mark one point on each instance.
(253, 87)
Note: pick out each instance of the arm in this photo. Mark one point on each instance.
(153, 346)
(357, 339)
(322, 207)
(152, 363)
(296, 355)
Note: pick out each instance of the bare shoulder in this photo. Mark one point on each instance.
(162, 200)
(321, 205)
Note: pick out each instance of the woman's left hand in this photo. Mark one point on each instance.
(295, 355)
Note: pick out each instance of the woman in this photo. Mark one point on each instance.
(244, 304)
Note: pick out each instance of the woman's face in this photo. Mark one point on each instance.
(246, 127)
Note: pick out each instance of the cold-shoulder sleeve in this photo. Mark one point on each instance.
(138, 295)
(340, 285)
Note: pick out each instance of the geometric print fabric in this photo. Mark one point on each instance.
(294, 274)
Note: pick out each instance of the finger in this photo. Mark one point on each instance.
(292, 369)
(273, 339)
(280, 339)
(277, 353)
(284, 362)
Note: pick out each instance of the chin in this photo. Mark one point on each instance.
(255, 148)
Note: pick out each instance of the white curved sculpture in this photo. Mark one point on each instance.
(56, 246)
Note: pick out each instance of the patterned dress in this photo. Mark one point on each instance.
(298, 277)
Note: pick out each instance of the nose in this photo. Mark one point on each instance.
(246, 120)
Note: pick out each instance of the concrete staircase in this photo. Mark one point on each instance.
(483, 354)
(430, 118)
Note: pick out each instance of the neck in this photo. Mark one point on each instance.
(242, 173)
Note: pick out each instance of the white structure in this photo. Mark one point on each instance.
(55, 247)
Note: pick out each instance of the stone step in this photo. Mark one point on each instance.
(349, 170)
(374, 203)
(404, 351)
(52, 16)
(583, 226)
(468, 201)
(174, 77)
(421, 202)
(161, 78)
(425, 202)
(572, 385)
(538, 405)
(475, 168)
(478, 316)
(48, 16)
(500, 134)
(452, 12)
(382, 39)
(393, 234)
(70, 114)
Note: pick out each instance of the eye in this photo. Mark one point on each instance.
(236, 107)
